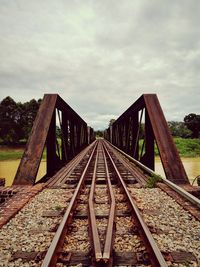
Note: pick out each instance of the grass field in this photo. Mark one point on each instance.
(12, 153)
(7, 153)
(186, 148)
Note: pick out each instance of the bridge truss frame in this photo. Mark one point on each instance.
(125, 131)
(75, 135)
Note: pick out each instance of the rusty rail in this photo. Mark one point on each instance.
(58, 240)
(157, 258)
(110, 228)
(107, 250)
(194, 200)
(65, 172)
(92, 217)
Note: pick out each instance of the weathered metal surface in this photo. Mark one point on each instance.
(73, 133)
(92, 219)
(63, 174)
(155, 255)
(58, 240)
(148, 158)
(170, 158)
(125, 136)
(52, 160)
(184, 198)
(31, 158)
(107, 252)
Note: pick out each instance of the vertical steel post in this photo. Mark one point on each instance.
(149, 143)
(127, 134)
(111, 134)
(51, 147)
(71, 138)
(88, 135)
(64, 144)
(134, 145)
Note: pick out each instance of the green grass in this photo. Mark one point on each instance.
(11, 153)
(186, 148)
(153, 180)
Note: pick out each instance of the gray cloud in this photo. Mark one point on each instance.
(100, 56)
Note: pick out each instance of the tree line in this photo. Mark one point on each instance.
(189, 128)
(16, 120)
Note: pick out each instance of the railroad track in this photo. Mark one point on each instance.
(101, 230)
(111, 219)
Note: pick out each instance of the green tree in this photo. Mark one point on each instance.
(28, 113)
(10, 130)
(16, 119)
(179, 129)
(192, 121)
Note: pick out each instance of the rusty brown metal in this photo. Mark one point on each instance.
(58, 240)
(157, 259)
(51, 145)
(125, 137)
(44, 132)
(92, 219)
(148, 158)
(170, 158)
(107, 252)
(61, 176)
(31, 158)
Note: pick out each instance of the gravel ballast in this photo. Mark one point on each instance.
(30, 230)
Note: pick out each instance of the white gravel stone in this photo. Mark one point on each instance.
(29, 230)
(174, 228)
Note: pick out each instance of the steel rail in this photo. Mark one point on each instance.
(58, 240)
(156, 258)
(137, 174)
(194, 200)
(69, 167)
(110, 228)
(76, 162)
(92, 217)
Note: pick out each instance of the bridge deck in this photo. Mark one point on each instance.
(99, 210)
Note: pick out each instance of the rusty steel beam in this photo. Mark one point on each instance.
(51, 147)
(149, 158)
(156, 129)
(64, 129)
(170, 158)
(31, 158)
(44, 132)
(134, 151)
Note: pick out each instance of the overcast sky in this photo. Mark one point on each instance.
(101, 55)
